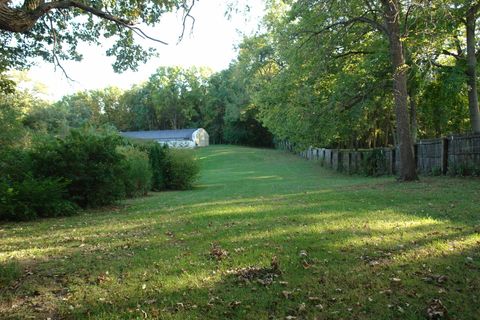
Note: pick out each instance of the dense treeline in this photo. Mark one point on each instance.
(337, 74)
(172, 98)
(318, 74)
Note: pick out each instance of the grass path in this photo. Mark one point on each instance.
(342, 248)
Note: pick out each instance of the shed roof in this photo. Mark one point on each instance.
(182, 134)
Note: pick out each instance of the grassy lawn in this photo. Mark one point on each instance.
(265, 235)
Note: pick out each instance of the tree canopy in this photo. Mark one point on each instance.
(327, 73)
(53, 29)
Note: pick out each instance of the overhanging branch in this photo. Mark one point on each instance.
(20, 20)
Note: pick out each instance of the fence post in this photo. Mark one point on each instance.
(392, 161)
(444, 156)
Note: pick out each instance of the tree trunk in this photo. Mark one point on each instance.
(407, 170)
(413, 117)
(472, 72)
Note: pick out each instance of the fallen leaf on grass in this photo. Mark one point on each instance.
(436, 278)
(234, 304)
(262, 275)
(217, 253)
(436, 310)
(302, 308)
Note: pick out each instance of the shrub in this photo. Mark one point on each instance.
(30, 199)
(15, 164)
(136, 171)
(374, 163)
(436, 171)
(157, 155)
(464, 169)
(89, 160)
(181, 170)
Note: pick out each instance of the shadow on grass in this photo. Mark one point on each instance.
(348, 247)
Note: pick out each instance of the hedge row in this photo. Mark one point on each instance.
(88, 168)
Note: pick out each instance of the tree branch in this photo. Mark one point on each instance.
(23, 19)
(187, 15)
(374, 24)
(351, 53)
(448, 53)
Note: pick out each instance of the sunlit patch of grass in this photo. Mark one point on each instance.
(348, 247)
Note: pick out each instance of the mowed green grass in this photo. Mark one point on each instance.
(348, 247)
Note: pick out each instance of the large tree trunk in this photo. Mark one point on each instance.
(407, 170)
(471, 71)
(413, 117)
(16, 20)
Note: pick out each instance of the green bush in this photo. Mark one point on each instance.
(89, 160)
(374, 163)
(463, 170)
(30, 199)
(157, 155)
(15, 164)
(181, 169)
(136, 171)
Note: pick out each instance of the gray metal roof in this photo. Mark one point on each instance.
(182, 134)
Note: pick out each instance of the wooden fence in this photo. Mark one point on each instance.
(457, 155)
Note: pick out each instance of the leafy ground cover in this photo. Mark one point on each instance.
(265, 235)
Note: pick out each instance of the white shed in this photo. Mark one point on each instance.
(183, 138)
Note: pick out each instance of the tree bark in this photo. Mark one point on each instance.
(407, 170)
(472, 70)
(413, 117)
(23, 19)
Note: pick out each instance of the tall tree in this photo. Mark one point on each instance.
(470, 24)
(338, 31)
(392, 14)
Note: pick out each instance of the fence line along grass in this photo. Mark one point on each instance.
(264, 235)
(457, 155)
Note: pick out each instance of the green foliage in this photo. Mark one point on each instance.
(15, 164)
(12, 107)
(374, 163)
(89, 160)
(157, 155)
(437, 171)
(136, 171)
(463, 170)
(73, 26)
(181, 170)
(34, 198)
(443, 104)
(176, 96)
(23, 197)
(231, 117)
